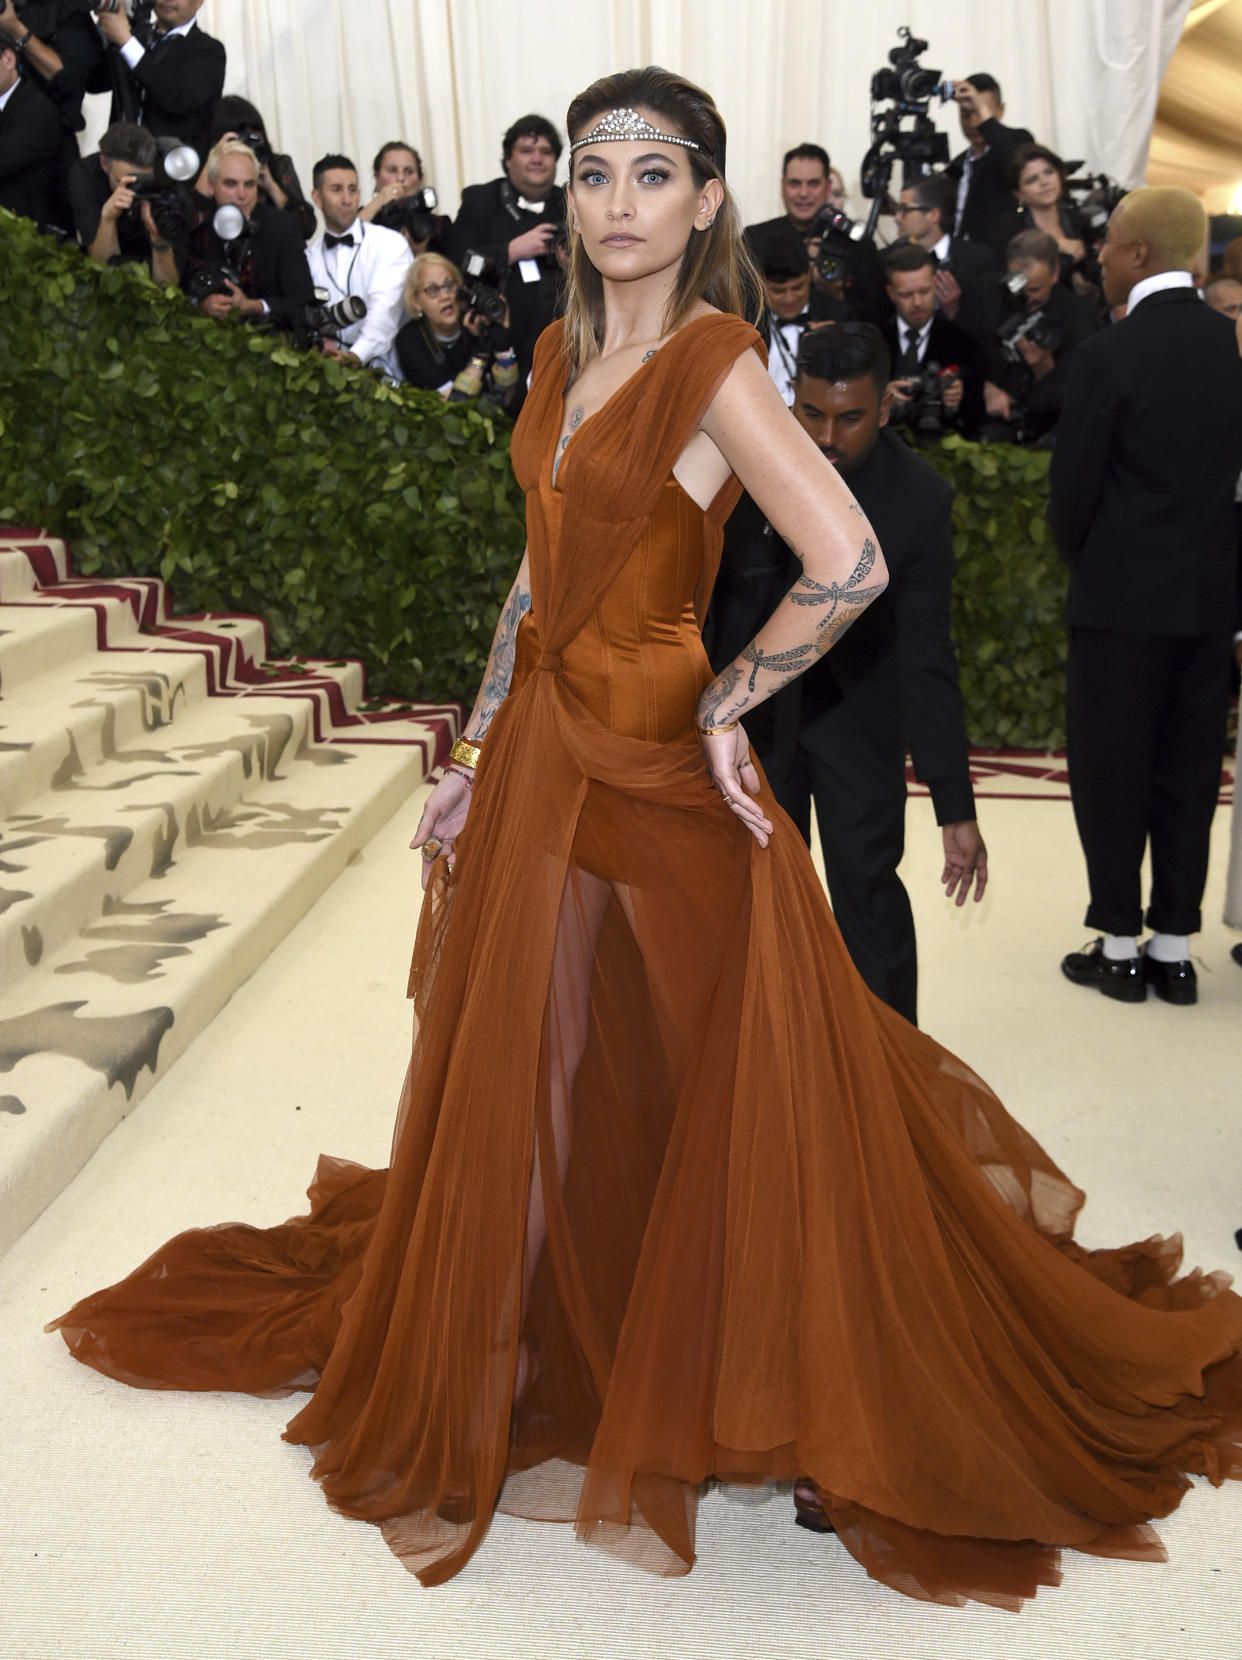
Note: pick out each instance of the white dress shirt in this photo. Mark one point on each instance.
(783, 352)
(134, 51)
(1153, 285)
(943, 248)
(904, 334)
(969, 163)
(372, 266)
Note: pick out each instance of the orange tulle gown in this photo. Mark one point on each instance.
(786, 1233)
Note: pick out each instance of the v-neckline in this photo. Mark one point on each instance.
(554, 471)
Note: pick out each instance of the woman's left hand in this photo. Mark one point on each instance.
(734, 775)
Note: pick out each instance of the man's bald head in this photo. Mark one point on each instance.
(1154, 229)
(1231, 259)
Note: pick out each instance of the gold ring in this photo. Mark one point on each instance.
(431, 850)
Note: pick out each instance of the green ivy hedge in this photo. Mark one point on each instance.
(368, 521)
(1008, 594)
(357, 518)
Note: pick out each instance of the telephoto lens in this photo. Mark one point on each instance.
(102, 6)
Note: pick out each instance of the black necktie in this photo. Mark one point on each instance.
(331, 241)
(908, 363)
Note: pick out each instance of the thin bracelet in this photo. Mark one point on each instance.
(717, 731)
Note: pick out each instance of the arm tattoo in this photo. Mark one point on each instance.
(495, 688)
(715, 704)
(780, 662)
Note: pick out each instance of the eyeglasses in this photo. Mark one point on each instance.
(902, 208)
(435, 289)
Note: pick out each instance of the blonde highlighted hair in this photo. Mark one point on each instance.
(1169, 219)
(716, 265)
(416, 273)
(229, 147)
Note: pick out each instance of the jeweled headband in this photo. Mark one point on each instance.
(629, 125)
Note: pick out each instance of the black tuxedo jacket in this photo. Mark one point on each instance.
(990, 202)
(281, 274)
(1143, 474)
(178, 85)
(948, 345)
(30, 142)
(487, 221)
(894, 674)
(863, 287)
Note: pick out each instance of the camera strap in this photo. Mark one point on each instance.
(339, 292)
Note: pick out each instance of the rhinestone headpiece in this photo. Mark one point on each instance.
(628, 125)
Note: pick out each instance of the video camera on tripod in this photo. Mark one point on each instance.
(905, 131)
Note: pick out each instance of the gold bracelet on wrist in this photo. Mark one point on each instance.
(465, 753)
(717, 731)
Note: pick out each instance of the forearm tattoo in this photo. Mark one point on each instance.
(495, 687)
(841, 603)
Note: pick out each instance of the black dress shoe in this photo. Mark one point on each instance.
(1175, 982)
(1121, 978)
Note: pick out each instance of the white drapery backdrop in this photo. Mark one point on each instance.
(450, 75)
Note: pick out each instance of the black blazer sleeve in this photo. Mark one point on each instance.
(80, 49)
(29, 132)
(1080, 456)
(282, 273)
(184, 79)
(477, 227)
(931, 697)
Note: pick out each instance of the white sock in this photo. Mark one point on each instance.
(1169, 948)
(1117, 947)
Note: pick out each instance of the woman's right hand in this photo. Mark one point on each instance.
(444, 818)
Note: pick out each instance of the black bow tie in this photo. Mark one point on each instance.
(331, 241)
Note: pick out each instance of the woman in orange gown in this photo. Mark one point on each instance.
(673, 1199)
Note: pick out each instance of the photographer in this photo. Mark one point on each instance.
(842, 267)
(279, 185)
(793, 305)
(60, 49)
(513, 221)
(1037, 177)
(169, 77)
(260, 273)
(29, 144)
(359, 259)
(443, 350)
(112, 224)
(836, 739)
(1032, 350)
(925, 346)
(966, 290)
(984, 209)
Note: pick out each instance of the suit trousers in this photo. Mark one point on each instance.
(859, 796)
(1145, 719)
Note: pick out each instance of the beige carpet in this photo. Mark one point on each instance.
(160, 1526)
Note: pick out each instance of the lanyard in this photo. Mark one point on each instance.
(344, 293)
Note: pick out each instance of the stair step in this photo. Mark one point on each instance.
(171, 803)
(84, 1038)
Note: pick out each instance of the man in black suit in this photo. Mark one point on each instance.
(805, 187)
(919, 338)
(794, 305)
(29, 144)
(967, 289)
(514, 221)
(1143, 479)
(265, 269)
(171, 83)
(838, 736)
(60, 50)
(984, 205)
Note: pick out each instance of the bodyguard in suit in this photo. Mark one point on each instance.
(172, 82)
(981, 173)
(515, 220)
(1143, 476)
(29, 144)
(837, 737)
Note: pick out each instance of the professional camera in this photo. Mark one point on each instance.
(234, 230)
(837, 233)
(214, 279)
(320, 319)
(167, 188)
(924, 408)
(140, 14)
(253, 138)
(481, 292)
(412, 214)
(1035, 326)
(908, 89)
(1096, 195)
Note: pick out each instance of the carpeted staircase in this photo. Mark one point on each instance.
(171, 803)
